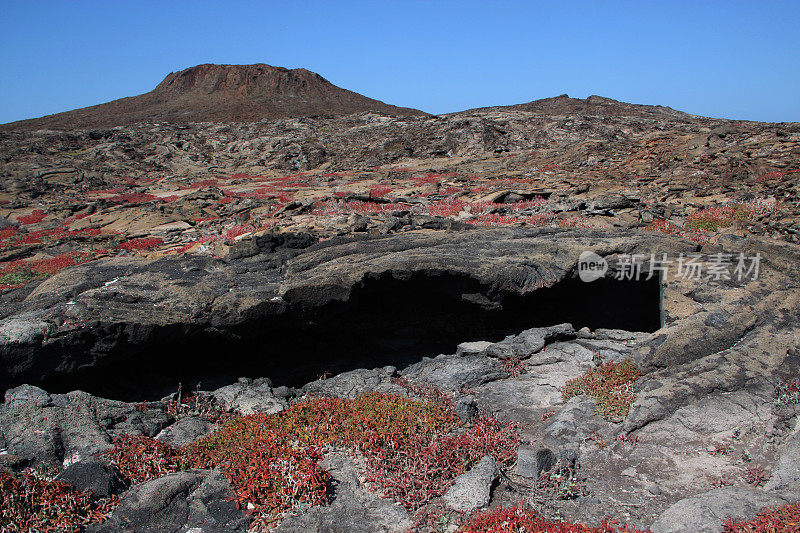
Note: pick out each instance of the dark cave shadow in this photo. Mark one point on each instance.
(386, 321)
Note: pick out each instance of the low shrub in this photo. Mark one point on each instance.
(756, 475)
(144, 243)
(412, 448)
(713, 218)
(14, 274)
(698, 235)
(32, 504)
(140, 458)
(36, 216)
(517, 520)
(777, 519)
(610, 384)
(788, 393)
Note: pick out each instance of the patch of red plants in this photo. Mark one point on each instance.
(662, 226)
(756, 475)
(32, 504)
(27, 270)
(140, 458)
(428, 179)
(446, 208)
(144, 243)
(380, 190)
(412, 448)
(514, 366)
(768, 520)
(36, 237)
(359, 206)
(493, 219)
(36, 216)
(518, 520)
(776, 174)
(610, 384)
(199, 184)
(238, 231)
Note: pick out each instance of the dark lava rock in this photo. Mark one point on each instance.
(531, 462)
(69, 427)
(466, 408)
(93, 475)
(199, 499)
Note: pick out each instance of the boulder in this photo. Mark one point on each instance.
(69, 427)
(529, 341)
(92, 475)
(355, 383)
(472, 490)
(706, 512)
(450, 372)
(185, 431)
(473, 348)
(200, 499)
(532, 461)
(246, 398)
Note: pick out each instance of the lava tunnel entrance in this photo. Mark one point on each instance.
(386, 321)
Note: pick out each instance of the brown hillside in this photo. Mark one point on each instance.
(221, 93)
(593, 105)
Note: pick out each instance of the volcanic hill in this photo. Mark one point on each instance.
(221, 93)
(593, 105)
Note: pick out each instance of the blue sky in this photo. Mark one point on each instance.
(727, 59)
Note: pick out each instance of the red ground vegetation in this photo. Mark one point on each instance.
(32, 504)
(412, 450)
(780, 519)
(516, 520)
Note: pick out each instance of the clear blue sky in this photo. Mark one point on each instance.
(728, 59)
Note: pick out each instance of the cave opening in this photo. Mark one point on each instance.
(386, 321)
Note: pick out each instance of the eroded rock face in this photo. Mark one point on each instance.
(112, 313)
(193, 499)
(705, 513)
(53, 431)
(705, 403)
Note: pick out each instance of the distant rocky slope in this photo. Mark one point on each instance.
(593, 105)
(221, 93)
(199, 187)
